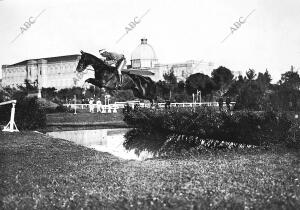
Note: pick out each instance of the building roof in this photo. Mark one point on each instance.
(49, 60)
(143, 51)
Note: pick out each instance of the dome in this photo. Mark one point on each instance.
(143, 56)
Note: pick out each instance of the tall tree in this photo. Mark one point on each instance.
(291, 79)
(250, 74)
(170, 77)
(200, 82)
(171, 82)
(264, 80)
(222, 77)
(235, 88)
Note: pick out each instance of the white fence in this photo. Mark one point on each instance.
(119, 105)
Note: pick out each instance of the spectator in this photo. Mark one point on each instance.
(228, 101)
(91, 102)
(167, 104)
(220, 103)
(99, 104)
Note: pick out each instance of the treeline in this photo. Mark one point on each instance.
(253, 91)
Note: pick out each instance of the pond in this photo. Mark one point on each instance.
(104, 140)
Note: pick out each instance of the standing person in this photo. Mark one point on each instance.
(220, 103)
(114, 59)
(167, 104)
(228, 101)
(91, 102)
(99, 104)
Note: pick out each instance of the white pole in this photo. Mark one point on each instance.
(75, 104)
(193, 98)
(200, 96)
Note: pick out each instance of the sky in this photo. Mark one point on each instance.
(178, 30)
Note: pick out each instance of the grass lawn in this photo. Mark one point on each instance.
(40, 172)
(83, 117)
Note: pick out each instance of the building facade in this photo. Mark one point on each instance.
(144, 62)
(58, 72)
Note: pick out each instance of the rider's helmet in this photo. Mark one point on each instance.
(103, 52)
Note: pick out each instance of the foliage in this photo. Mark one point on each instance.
(250, 74)
(29, 115)
(222, 77)
(250, 93)
(170, 77)
(49, 93)
(4, 94)
(200, 82)
(185, 129)
(290, 79)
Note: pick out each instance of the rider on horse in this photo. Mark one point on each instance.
(116, 59)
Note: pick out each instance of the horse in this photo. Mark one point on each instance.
(106, 76)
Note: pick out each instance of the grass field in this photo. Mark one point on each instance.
(83, 117)
(39, 172)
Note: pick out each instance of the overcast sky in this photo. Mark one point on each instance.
(177, 30)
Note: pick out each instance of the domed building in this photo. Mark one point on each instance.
(143, 57)
(144, 62)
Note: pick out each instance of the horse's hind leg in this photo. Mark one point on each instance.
(94, 82)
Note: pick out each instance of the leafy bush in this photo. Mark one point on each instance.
(60, 109)
(28, 114)
(188, 128)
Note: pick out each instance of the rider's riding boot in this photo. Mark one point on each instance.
(120, 83)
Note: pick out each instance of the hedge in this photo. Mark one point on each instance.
(188, 128)
(29, 115)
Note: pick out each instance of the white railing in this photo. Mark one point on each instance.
(119, 105)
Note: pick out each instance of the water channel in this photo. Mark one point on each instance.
(104, 140)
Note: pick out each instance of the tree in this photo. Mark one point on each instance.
(250, 96)
(49, 93)
(170, 77)
(286, 94)
(264, 80)
(291, 79)
(171, 82)
(180, 87)
(250, 74)
(252, 93)
(236, 86)
(200, 82)
(162, 89)
(222, 77)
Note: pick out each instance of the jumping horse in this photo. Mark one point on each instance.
(106, 76)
